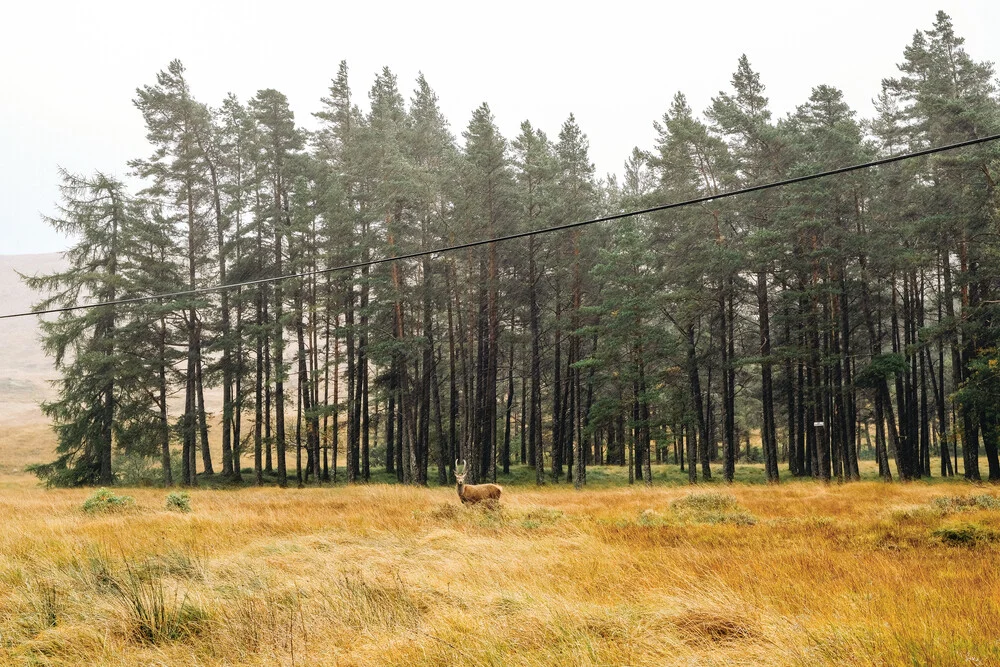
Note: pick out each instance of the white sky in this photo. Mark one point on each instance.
(69, 70)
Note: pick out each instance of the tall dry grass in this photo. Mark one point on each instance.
(801, 574)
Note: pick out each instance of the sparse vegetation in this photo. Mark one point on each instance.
(836, 329)
(179, 501)
(952, 504)
(105, 500)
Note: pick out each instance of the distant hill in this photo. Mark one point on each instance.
(24, 368)
(25, 371)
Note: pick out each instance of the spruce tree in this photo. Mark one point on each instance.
(109, 371)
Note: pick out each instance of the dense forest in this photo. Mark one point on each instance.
(804, 327)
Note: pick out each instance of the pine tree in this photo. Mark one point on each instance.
(744, 119)
(487, 184)
(944, 96)
(175, 124)
(278, 142)
(104, 354)
(535, 162)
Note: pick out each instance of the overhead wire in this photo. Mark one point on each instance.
(519, 235)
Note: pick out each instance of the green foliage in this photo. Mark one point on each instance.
(137, 469)
(966, 535)
(105, 356)
(104, 501)
(179, 501)
(881, 368)
(981, 388)
(816, 275)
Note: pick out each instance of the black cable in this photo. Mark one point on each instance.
(520, 235)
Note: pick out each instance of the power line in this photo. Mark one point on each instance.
(520, 235)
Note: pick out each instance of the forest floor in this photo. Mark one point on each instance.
(796, 574)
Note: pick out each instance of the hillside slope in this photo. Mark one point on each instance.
(25, 371)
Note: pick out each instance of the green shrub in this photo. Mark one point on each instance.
(135, 469)
(712, 507)
(105, 500)
(966, 535)
(179, 501)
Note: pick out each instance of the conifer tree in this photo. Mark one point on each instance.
(175, 123)
(107, 392)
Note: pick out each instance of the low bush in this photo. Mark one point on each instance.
(179, 501)
(712, 507)
(104, 500)
(966, 535)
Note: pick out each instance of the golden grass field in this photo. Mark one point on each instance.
(799, 574)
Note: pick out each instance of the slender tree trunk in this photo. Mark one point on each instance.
(694, 383)
(336, 400)
(258, 467)
(557, 391)
(206, 452)
(851, 469)
(644, 440)
(443, 451)
(769, 442)
(535, 410)
(278, 354)
(728, 381)
(268, 419)
(352, 398)
(505, 453)
(168, 475)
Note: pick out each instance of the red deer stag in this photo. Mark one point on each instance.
(474, 493)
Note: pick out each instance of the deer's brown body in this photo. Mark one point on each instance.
(475, 493)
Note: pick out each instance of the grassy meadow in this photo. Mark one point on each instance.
(799, 574)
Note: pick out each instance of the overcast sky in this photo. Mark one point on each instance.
(69, 70)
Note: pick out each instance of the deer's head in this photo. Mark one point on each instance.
(460, 476)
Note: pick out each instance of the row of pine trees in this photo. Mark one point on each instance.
(840, 318)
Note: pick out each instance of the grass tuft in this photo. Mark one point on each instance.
(446, 512)
(651, 518)
(697, 625)
(44, 600)
(712, 508)
(966, 535)
(155, 616)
